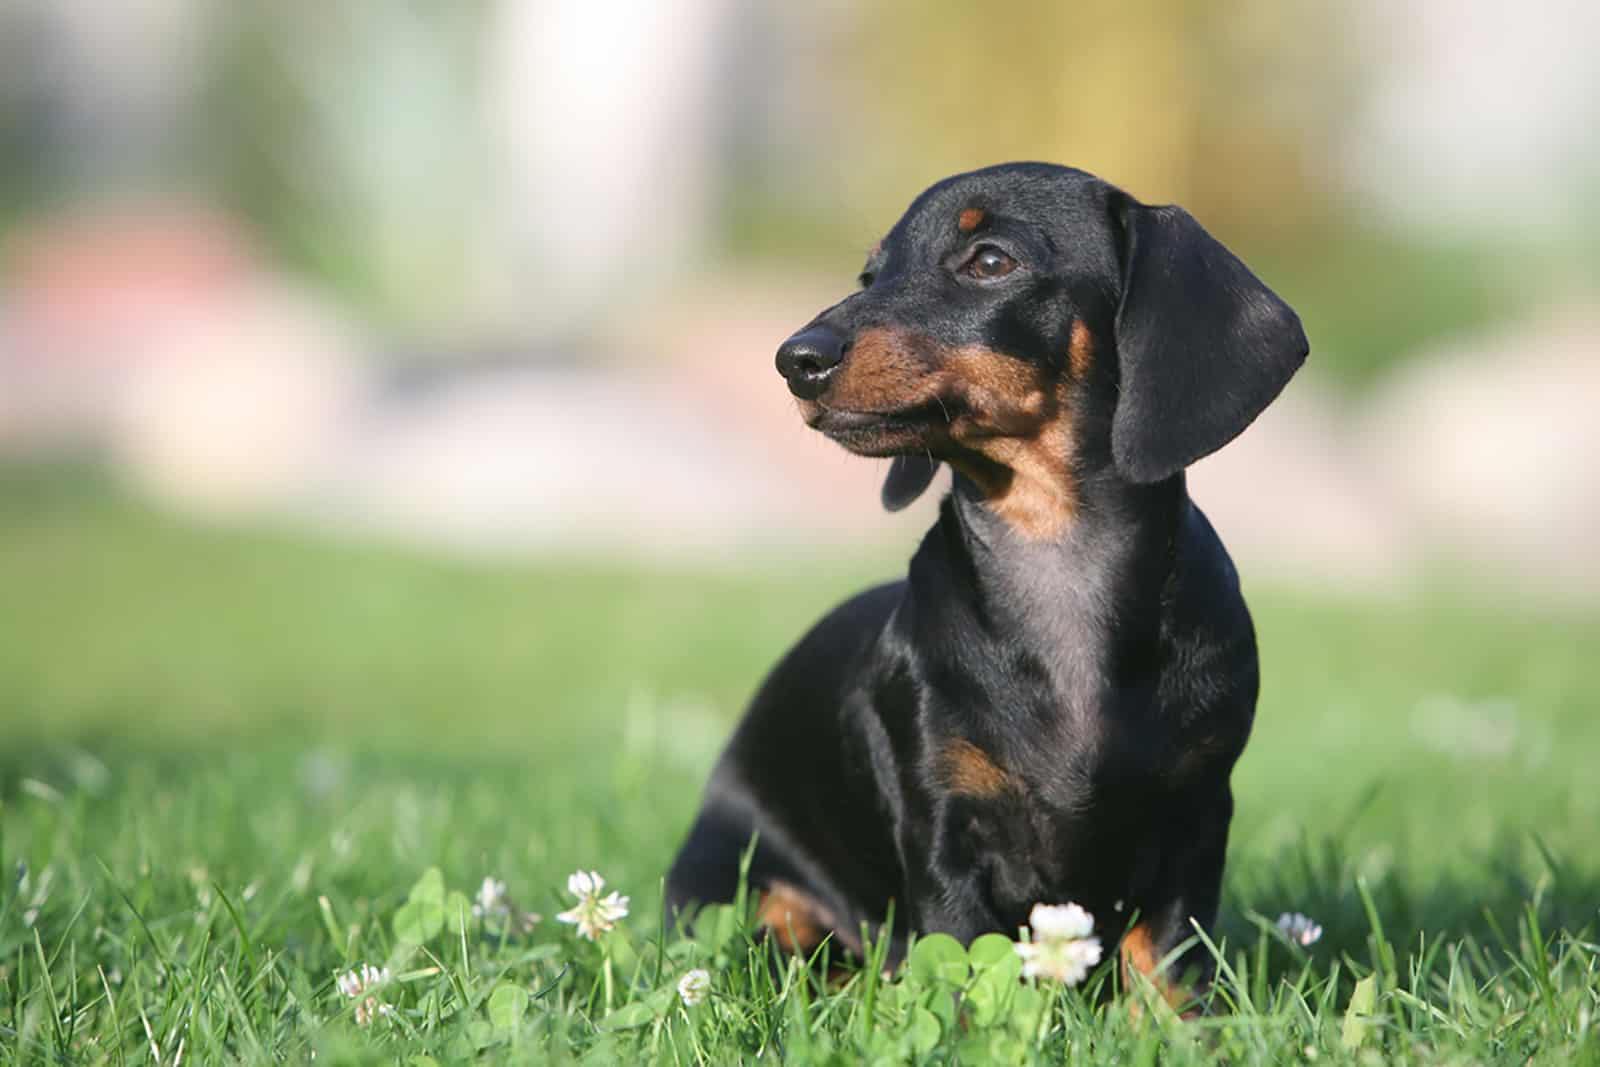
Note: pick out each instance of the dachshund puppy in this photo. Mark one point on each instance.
(1048, 707)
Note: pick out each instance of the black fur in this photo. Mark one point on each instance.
(1107, 672)
(1202, 344)
(907, 478)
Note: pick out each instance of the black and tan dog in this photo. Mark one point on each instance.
(1048, 708)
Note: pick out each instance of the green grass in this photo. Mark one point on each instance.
(231, 754)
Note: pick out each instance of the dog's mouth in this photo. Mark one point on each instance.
(894, 432)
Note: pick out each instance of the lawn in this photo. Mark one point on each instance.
(235, 758)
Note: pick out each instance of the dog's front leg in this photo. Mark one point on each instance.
(1186, 892)
(950, 867)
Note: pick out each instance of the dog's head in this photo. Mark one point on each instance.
(1027, 323)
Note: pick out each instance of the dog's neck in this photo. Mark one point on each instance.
(1087, 604)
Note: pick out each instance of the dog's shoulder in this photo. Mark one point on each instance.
(808, 685)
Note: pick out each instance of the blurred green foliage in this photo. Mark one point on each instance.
(352, 138)
(1364, 319)
(345, 135)
(24, 149)
(1229, 112)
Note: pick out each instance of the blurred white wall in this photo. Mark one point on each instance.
(1485, 114)
(605, 114)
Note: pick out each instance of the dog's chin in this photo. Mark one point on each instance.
(879, 435)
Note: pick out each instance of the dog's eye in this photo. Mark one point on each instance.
(989, 262)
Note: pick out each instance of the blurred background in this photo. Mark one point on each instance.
(507, 277)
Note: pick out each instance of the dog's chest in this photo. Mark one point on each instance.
(1057, 776)
(1072, 835)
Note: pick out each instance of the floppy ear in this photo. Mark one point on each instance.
(908, 477)
(1202, 345)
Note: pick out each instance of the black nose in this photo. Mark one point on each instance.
(807, 359)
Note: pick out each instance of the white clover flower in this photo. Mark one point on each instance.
(1068, 962)
(593, 915)
(585, 883)
(1300, 929)
(491, 899)
(1060, 921)
(492, 902)
(1062, 946)
(694, 986)
(362, 980)
(358, 986)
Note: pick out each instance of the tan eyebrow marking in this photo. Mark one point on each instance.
(968, 220)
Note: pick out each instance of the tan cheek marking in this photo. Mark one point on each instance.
(968, 220)
(1080, 353)
(967, 770)
(1023, 430)
(1002, 395)
(1041, 499)
(1138, 952)
(1013, 430)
